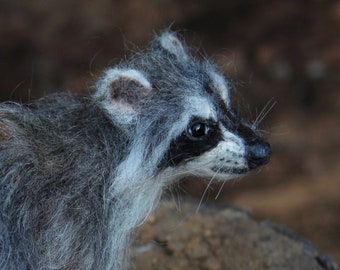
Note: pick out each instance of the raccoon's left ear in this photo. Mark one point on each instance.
(121, 90)
(169, 42)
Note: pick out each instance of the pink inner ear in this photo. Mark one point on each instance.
(127, 90)
(177, 45)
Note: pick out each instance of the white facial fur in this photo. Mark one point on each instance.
(200, 107)
(220, 85)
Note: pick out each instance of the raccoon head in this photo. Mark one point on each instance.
(179, 109)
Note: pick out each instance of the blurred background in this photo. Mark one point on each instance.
(282, 57)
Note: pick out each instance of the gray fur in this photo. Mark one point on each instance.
(79, 173)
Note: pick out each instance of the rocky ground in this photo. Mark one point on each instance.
(216, 238)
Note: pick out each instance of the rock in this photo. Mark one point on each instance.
(219, 237)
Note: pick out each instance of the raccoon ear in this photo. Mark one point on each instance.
(169, 42)
(120, 90)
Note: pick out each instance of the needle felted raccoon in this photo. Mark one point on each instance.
(79, 173)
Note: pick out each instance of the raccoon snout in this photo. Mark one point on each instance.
(258, 154)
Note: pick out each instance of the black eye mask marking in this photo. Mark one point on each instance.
(199, 137)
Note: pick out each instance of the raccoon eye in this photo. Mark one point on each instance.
(198, 130)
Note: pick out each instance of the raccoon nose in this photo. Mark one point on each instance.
(258, 154)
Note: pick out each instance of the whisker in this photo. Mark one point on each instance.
(206, 189)
(191, 171)
(222, 185)
(264, 112)
(220, 190)
(259, 115)
(204, 193)
(176, 199)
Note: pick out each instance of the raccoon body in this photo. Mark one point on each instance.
(79, 173)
